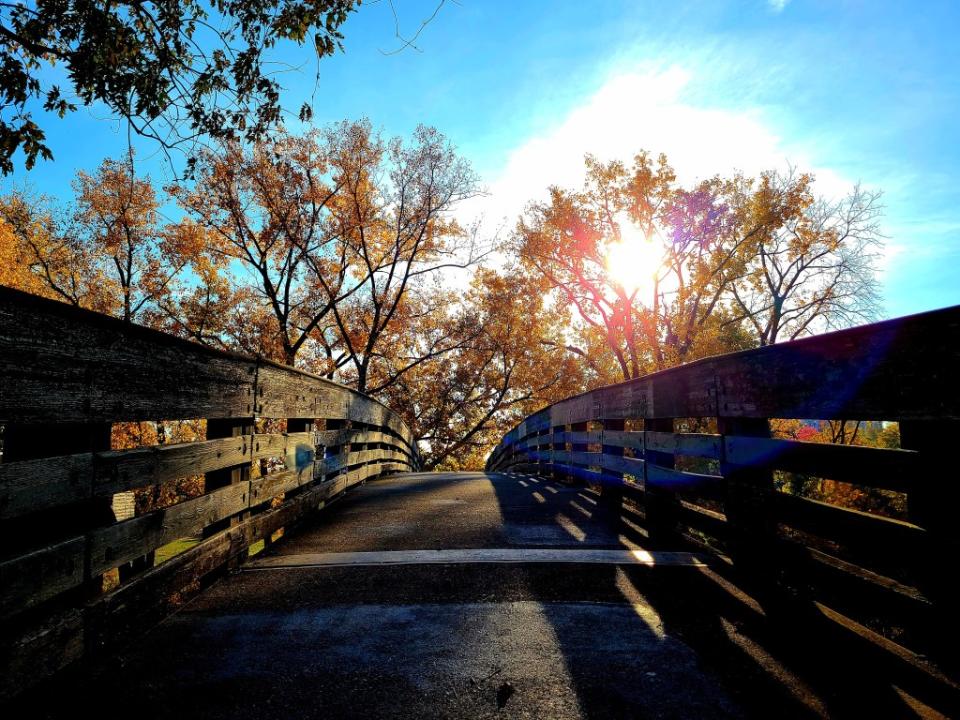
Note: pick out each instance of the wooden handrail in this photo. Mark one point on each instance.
(627, 439)
(66, 376)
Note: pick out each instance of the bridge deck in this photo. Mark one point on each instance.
(341, 619)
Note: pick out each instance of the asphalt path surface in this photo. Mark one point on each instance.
(451, 595)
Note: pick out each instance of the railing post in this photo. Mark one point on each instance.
(748, 504)
(342, 450)
(223, 428)
(612, 487)
(294, 425)
(932, 505)
(661, 505)
(40, 440)
(543, 450)
(555, 447)
(577, 447)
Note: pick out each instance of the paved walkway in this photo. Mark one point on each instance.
(457, 595)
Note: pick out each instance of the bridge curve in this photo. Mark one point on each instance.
(427, 595)
(627, 553)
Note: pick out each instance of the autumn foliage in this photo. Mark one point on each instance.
(343, 252)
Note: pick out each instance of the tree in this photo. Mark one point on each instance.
(460, 404)
(117, 220)
(267, 209)
(38, 256)
(643, 262)
(393, 212)
(817, 269)
(338, 232)
(173, 69)
(660, 274)
(107, 252)
(206, 308)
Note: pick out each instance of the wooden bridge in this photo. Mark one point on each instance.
(629, 552)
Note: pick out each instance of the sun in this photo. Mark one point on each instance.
(633, 262)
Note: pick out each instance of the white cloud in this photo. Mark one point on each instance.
(646, 110)
(777, 5)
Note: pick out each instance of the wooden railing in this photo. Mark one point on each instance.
(68, 515)
(722, 489)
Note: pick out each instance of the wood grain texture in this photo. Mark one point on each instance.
(281, 444)
(897, 369)
(874, 467)
(285, 392)
(692, 444)
(41, 574)
(878, 534)
(66, 375)
(62, 364)
(35, 652)
(116, 544)
(31, 486)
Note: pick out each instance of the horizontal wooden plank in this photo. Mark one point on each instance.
(116, 544)
(538, 422)
(393, 467)
(854, 589)
(905, 664)
(617, 463)
(60, 364)
(284, 444)
(581, 457)
(624, 438)
(119, 543)
(678, 480)
(346, 460)
(266, 488)
(304, 444)
(582, 474)
(41, 574)
(120, 616)
(874, 467)
(897, 369)
(33, 485)
(581, 437)
(848, 526)
(285, 392)
(703, 519)
(120, 470)
(662, 477)
(358, 436)
(63, 364)
(693, 444)
(540, 440)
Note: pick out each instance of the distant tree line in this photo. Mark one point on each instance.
(339, 251)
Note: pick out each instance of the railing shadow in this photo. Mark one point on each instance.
(630, 641)
(774, 650)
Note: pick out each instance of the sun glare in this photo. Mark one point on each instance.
(633, 261)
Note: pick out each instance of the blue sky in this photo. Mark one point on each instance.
(851, 90)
